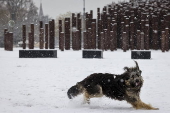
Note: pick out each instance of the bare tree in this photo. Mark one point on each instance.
(4, 15)
(20, 12)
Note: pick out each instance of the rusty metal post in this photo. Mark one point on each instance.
(98, 27)
(41, 25)
(87, 22)
(124, 41)
(112, 45)
(62, 41)
(75, 44)
(74, 28)
(46, 36)
(115, 36)
(10, 41)
(127, 36)
(155, 40)
(32, 36)
(121, 32)
(24, 36)
(85, 41)
(67, 33)
(104, 19)
(52, 34)
(138, 46)
(142, 25)
(60, 37)
(30, 40)
(53, 30)
(91, 14)
(74, 20)
(142, 40)
(98, 14)
(5, 38)
(108, 32)
(40, 35)
(105, 39)
(77, 40)
(102, 41)
(167, 39)
(79, 29)
(132, 35)
(74, 40)
(93, 35)
(89, 39)
(163, 41)
(41, 40)
(146, 32)
(99, 34)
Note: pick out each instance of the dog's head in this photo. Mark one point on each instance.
(133, 79)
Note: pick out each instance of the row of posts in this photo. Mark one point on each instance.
(122, 25)
(65, 41)
(46, 36)
(48, 31)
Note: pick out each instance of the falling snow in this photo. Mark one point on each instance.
(121, 80)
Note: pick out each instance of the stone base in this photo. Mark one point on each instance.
(141, 55)
(37, 53)
(92, 54)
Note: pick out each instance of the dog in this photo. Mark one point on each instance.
(126, 86)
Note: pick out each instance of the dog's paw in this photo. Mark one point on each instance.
(85, 102)
(155, 108)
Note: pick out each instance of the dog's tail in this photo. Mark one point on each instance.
(75, 90)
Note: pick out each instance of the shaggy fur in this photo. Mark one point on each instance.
(126, 86)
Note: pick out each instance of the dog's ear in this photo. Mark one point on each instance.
(126, 69)
(137, 66)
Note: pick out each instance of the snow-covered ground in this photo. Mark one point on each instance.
(40, 85)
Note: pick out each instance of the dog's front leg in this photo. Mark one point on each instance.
(86, 98)
(141, 105)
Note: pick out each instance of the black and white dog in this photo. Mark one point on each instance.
(126, 86)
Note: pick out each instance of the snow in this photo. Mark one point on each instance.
(40, 85)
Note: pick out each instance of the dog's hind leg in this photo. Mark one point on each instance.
(92, 92)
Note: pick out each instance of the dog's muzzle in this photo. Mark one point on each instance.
(136, 83)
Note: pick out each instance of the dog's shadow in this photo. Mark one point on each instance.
(111, 108)
(94, 106)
